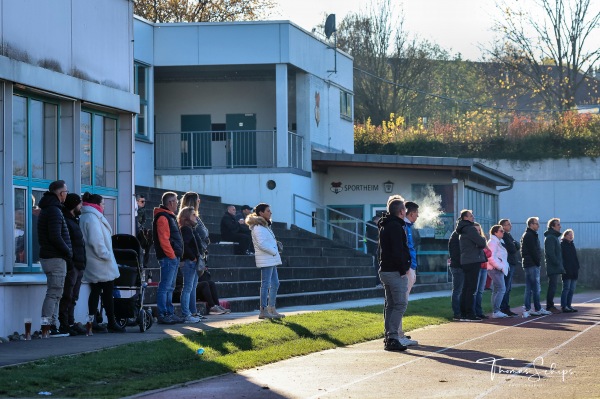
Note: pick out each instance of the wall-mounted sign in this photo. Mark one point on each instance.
(337, 187)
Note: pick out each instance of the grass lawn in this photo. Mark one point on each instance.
(139, 367)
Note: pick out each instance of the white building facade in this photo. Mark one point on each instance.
(66, 112)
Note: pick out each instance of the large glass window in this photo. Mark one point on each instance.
(141, 89)
(35, 164)
(484, 207)
(98, 150)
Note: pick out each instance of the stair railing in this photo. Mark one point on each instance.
(356, 238)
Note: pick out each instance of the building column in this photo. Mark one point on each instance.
(6, 198)
(281, 107)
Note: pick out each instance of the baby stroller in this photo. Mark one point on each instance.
(130, 311)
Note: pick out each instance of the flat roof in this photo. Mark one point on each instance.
(321, 161)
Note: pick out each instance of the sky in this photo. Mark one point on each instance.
(458, 26)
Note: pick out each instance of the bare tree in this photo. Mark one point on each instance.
(547, 52)
(202, 10)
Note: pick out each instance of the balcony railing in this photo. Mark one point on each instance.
(224, 149)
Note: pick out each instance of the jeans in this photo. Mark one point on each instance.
(269, 284)
(56, 271)
(471, 272)
(552, 284)
(66, 309)
(458, 280)
(481, 280)
(188, 292)
(164, 294)
(396, 300)
(505, 305)
(498, 289)
(532, 288)
(567, 293)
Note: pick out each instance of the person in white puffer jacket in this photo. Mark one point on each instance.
(267, 259)
(499, 268)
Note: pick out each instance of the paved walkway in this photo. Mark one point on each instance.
(540, 357)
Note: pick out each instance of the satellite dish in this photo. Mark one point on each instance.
(330, 25)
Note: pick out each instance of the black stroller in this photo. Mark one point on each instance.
(130, 311)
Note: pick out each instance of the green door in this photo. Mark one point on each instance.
(241, 129)
(195, 141)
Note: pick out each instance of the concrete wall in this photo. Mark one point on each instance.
(563, 188)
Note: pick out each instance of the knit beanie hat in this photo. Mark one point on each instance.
(72, 201)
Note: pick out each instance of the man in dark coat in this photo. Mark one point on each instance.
(232, 230)
(531, 255)
(458, 276)
(75, 268)
(394, 262)
(55, 250)
(512, 248)
(471, 257)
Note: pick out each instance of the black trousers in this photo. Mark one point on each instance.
(471, 272)
(104, 290)
(66, 307)
(207, 291)
(244, 240)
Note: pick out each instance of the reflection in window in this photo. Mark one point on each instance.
(36, 196)
(43, 130)
(19, 136)
(20, 228)
(141, 89)
(86, 148)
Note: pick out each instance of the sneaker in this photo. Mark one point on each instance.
(223, 309)
(115, 328)
(510, 313)
(536, 312)
(525, 314)
(406, 341)
(99, 328)
(572, 309)
(177, 319)
(566, 310)
(59, 332)
(499, 315)
(165, 319)
(545, 312)
(553, 309)
(191, 320)
(482, 316)
(472, 318)
(216, 310)
(78, 328)
(456, 317)
(393, 345)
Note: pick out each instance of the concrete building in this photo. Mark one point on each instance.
(66, 112)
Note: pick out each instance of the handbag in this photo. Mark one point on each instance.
(201, 261)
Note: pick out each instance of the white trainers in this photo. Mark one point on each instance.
(536, 313)
(545, 312)
(408, 342)
(216, 310)
(499, 315)
(191, 320)
(525, 314)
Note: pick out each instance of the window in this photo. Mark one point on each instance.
(345, 105)
(98, 153)
(35, 164)
(141, 89)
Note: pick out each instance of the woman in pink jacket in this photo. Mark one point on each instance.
(497, 269)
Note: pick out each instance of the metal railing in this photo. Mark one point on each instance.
(224, 149)
(352, 237)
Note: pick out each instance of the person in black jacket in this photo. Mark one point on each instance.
(458, 276)
(512, 248)
(75, 268)
(531, 255)
(55, 250)
(394, 262)
(571, 265)
(232, 230)
(472, 256)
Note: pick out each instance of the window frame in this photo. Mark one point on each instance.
(144, 101)
(346, 99)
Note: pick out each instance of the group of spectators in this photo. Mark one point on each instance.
(473, 258)
(75, 245)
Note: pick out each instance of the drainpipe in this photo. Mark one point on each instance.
(510, 186)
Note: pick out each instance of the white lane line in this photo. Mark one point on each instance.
(529, 365)
(349, 384)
